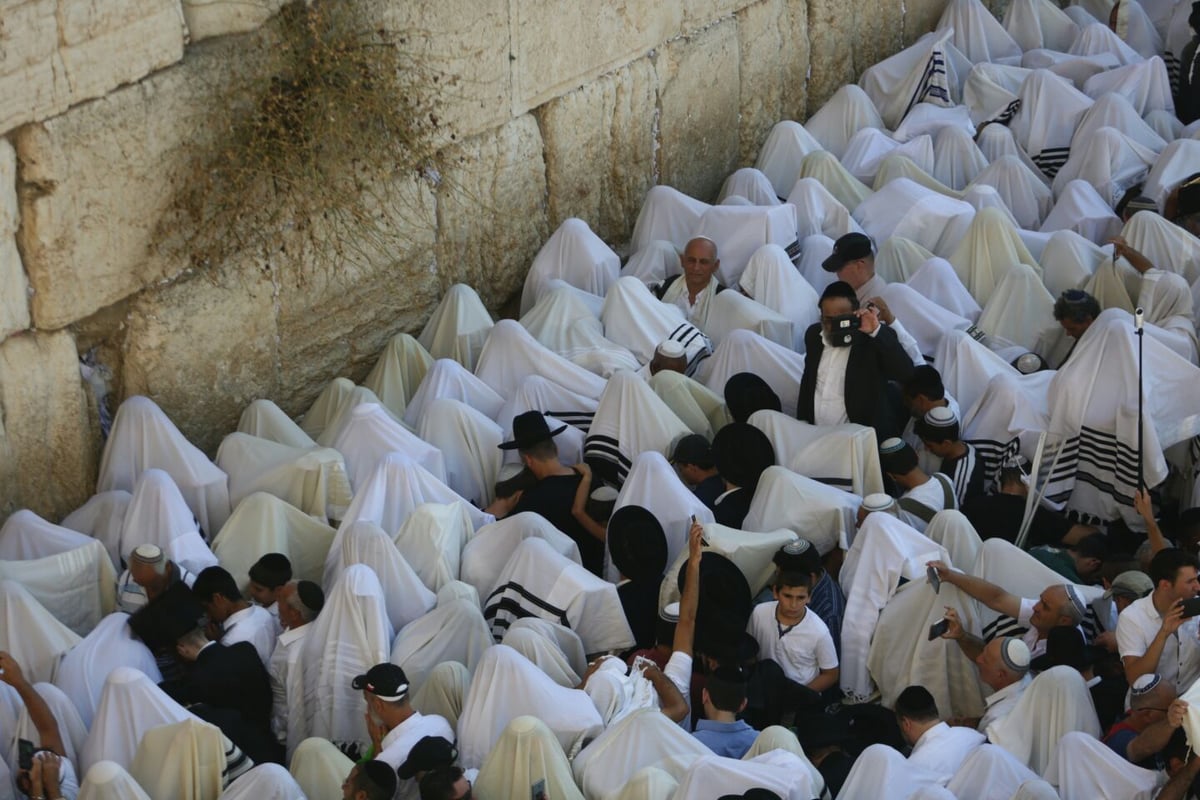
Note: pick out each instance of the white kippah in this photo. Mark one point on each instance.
(891, 445)
(940, 417)
(670, 349)
(878, 502)
(1145, 683)
(147, 554)
(1029, 364)
(604, 494)
(797, 547)
(670, 612)
(1076, 600)
(1015, 654)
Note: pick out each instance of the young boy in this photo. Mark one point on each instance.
(268, 576)
(940, 433)
(724, 697)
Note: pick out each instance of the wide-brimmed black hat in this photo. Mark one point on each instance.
(742, 453)
(1064, 647)
(637, 544)
(724, 606)
(746, 393)
(529, 429)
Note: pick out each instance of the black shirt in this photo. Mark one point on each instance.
(639, 601)
(732, 509)
(999, 516)
(709, 489)
(553, 498)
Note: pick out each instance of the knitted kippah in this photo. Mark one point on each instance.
(1015, 654)
(940, 417)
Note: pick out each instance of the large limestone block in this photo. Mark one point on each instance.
(207, 18)
(920, 17)
(56, 53)
(600, 150)
(492, 215)
(831, 25)
(879, 31)
(699, 14)
(204, 346)
(47, 448)
(336, 313)
(773, 48)
(559, 45)
(699, 94)
(14, 290)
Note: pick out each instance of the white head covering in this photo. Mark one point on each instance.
(406, 597)
(667, 214)
(443, 690)
(196, 752)
(988, 251)
(1167, 246)
(732, 311)
(848, 111)
(654, 263)
(818, 211)
(130, 705)
(1009, 416)
(102, 518)
(978, 34)
(1114, 110)
(1024, 192)
(635, 319)
(458, 327)
(371, 433)
(930, 119)
(484, 555)
(453, 632)
(351, 635)
(311, 478)
(142, 438)
(813, 252)
(781, 154)
(507, 686)
(956, 159)
(563, 638)
(880, 771)
(573, 254)
(1144, 84)
(1081, 209)
(745, 351)
(108, 780)
(740, 230)
(780, 772)
(1135, 27)
(77, 587)
(349, 402)
(109, 646)
(995, 141)
(1019, 308)
(469, 443)
(845, 456)
(980, 197)
(772, 279)
(511, 354)
(1178, 160)
(1166, 300)
(823, 167)
(1053, 705)
(1050, 110)
(557, 403)
(398, 372)
(66, 716)
(897, 165)
(432, 538)
(786, 500)
(320, 768)
(264, 782)
(1039, 23)
(925, 320)
(936, 280)
(1110, 161)
(26, 536)
(701, 409)
(527, 753)
(966, 366)
(563, 321)
(1069, 261)
(30, 633)
(868, 148)
(641, 739)
(544, 652)
(158, 515)
(899, 258)
(447, 378)
(990, 91)
(751, 184)
(904, 208)
(265, 524)
(1083, 766)
(918, 74)
(648, 783)
(327, 407)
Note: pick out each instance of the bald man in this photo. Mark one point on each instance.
(694, 293)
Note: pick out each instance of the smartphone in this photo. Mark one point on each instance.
(24, 754)
(938, 628)
(538, 790)
(934, 580)
(1191, 607)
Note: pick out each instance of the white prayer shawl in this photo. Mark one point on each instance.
(544, 653)
(741, 230)
(923, 318)
(936, 280)
(848, 111)
(746, 351)
(787, 500)
(713, 776)
(130, 705)
(326, 408)
(881, 772)
(990, 92)
(956, 159)
(158, 515)
(458, 328)
(1110, 161)
(431, 541)
(30, 633)
(527, 754)
(351, 635)
(1068, 261)
(1011, 413)
(264, 419)
(261, 524)
(1136, 29)
(1166, 245)
(108, 780)
(931, 119)
(511, 354)
(1190, 721)
(631, 419)
(905, 208)
(654, 263)
(1039, 23)
(142, 438)
(1144, 84)
(538, 581)
(772, 279)
(483, 557)
(196, 752)
(845, 456)
(818, 211)
(966, 366)
(26, 536)
(921, 73)
(869, 147)
(312, 479)
(78, 587)
(1056, 703)
(469, 443)
(978, 34)
(406, 597)
(884, 551)
(990, 249)
(507, 686)
(66, 716)
(320, 767)
(1023, 192)
(398, 372)
(1166, 301)
(635, 319)
(776, 737)
(701, 409)
(452, 632)
(542, 394)
(1035, 789)
(264, 782)
(1176, 32)
(1076, 69)
(899, 259)
(575, 254)
(1096, 38)
(1050, 110)
(814, 250)
(1114, 110)
(995, 141)
(980, 197)
(1019, 307)
(616, 694)
(732, 310)
(779, 159)
(1178, 160)
(896, 165)
(1084, 768)
(751, 184)
(447, 378)
(648, 783)
(351, 401)
(443, 690)
(102, 518)
(370, 434)
(562, 321)
(667, 214)
(824, 167)
(110, 645)
(1081, 209)
(458, 590)
(990, 773)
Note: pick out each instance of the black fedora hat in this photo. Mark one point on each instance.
(637, 544)
(724, 605)
(529, 429)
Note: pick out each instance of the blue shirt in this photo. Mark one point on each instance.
(729, 739)
(827, 600)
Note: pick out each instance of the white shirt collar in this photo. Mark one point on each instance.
(293, 634)
(398, 731)
(1007, 691)
(239, 616)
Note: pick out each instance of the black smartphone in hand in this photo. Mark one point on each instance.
(24, 754)
(1191, 607)
(938, 628)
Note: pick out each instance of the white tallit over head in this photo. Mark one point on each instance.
(453, 632)
(544, 652)
(848, 111)
(845, 456)
(1110, 161)
(867, 149)
(264, 782)
(751, 184)
(988, 251)
(458, 328)
(511, 354)
(880, 771)
(814, 250)
(978, 34)
(143, 438)
(1083, 766)
(921, 73)
(966, 366)
(102, 518)
(1166, 300)
(66, 716)
(648, 783)
(348, 403)
(631, 419)
(320, 768)
(1144, 84)
(557, 403)
(824, 167)
(265, 524)
(905, 208)
(772, 279)
(1068, 261)
(1081, 209)
(641, 739)
(730, 311)
(351, 635)
(563, 638)
(470, 444)
(1039, 23)
(507, 686)
(130, 705)
(196, 752)
(447, 378)
(701, 409)
(817, 211)
(371, 433)
(406, 597)
(897, 165)
(779, 159)
(1114, 110)
(83, 669)
(936, 280)
(1050, 110)
(1166, 245)
(327, 407)
(31, 634)
(956, 159)
(483, 557)
(1019, 308)
(443, 690)
(398, 372)
(1136, 29)
(780, 772)
(1096, 38)
(740, 230)
(925, 320)
(564, 322)
(108, 780)
(635, 319)
(777, 737)
(931, 119)
(1056, 703)
(745, 351)
(995, 141)
(1023, 191)
(312, 479)
(77, 587)
(1178, 160)
(990, 92)
(1011, 413)
(786, 500)
(432, 539)
(654, 263)
(990, 766)
(26, 536)
(575, 254)
(527, 754)
(158, 515)
(667, 214)
(898, 259)
(980, 197)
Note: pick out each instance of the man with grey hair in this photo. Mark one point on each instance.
(694, 293)
(148, 575)
(299, 604)
(1003, 665)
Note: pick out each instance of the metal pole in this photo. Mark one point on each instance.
(1138, 320)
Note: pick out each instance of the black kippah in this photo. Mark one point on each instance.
(311, 596)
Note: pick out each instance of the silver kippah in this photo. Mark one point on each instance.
(878, 502)
(670, 612)
(892, 445)
(1028, 364)
(1015, 654)
(797, 547)
(1145, 684)
(670, 349)
(940, 417)
(147, 554)
(1074, 597)
(604, 494)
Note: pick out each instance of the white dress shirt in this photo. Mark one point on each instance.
(255, 625)
(285, 655)
(1001, 702)
(942, 749)
(395, 747)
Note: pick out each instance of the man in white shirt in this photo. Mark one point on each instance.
(393, 724)
(1003, 665)
(693, 291)
(936, 747)
(1152, 634)
(924, 495)
(267, 576)
(299, 604)
(240, 620)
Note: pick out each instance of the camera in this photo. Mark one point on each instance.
(842, 328)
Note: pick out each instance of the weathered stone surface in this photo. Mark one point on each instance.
(920, 17)
(600, 150)
(55, 53)
(699, 14)
(773, 52)
(14, 290)
(203, 347)
(831, 36)
(48, 454)
(699, 93)
(559, 46)
(492, 215)
(207, 18)
(879, 26)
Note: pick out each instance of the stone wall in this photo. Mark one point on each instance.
(558, 108)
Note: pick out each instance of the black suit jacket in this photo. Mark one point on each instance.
(229, 677)
(873, 362)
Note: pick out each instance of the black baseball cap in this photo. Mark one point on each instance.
(850, 247)
(429, 753)
(386, 681)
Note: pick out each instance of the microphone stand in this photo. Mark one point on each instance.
(1138, 320)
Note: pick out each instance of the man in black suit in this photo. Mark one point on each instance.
(850, 357)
